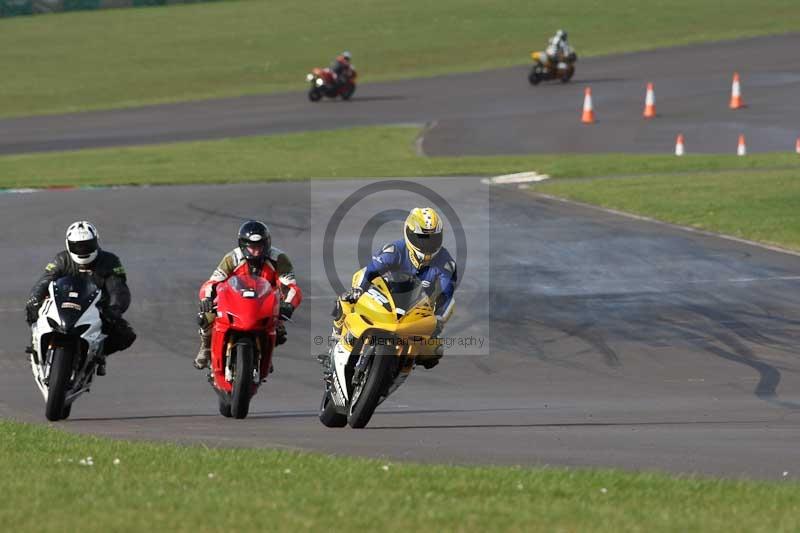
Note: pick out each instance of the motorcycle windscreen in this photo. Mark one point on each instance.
(247, 300)
(406, 289)
(73, 296)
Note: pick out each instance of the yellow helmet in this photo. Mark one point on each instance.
(423, 234)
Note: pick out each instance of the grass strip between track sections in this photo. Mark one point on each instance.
(382, 151)
(49, 485)
(128, 57)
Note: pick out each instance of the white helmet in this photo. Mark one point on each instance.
(82, 242)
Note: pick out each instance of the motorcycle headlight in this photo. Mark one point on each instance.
(320, 82)
(309, 77)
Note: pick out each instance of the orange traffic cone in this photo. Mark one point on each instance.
(588, 111)
(649, 102)
(742, 148)
(679, 150)
(736, 93)
(797, 146)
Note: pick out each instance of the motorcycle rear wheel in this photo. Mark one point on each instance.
(347, 94)
(328, 414)
(379, 377)
(60, 374)
(243, 379)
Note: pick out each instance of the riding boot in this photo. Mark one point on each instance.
(204, 354)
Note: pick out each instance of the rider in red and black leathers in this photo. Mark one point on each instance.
(254, 255)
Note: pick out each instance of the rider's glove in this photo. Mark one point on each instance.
(206, 305)
(32, 310)
(286, 310)
(352, 295)
(439, 327)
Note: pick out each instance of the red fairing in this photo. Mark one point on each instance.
(246, 305)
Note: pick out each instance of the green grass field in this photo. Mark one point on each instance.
(103, 59)
(163, 487)
(358, 152)
(762, 206)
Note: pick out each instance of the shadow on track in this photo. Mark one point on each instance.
(572, 425)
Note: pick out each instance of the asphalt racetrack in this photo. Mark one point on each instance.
(495, 112)
(609, 342)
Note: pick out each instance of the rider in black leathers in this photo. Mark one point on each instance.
(108, 274)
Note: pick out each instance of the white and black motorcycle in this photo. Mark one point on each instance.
(67, 341)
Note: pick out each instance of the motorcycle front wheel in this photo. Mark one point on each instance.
(314, 94)
(60, 374)
(243, 379)
(379, 374)
(534, 77)
(224, 407)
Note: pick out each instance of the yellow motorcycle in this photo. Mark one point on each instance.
(543, 69)
(382, 334)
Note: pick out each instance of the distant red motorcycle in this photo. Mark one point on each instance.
(323, 83)
(242, 341)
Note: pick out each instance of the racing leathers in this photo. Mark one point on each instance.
(558, 49)
(276, 268)
(439, 275)
(108, 274)
(342, 70)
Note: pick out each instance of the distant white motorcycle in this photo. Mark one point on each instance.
(67, 342)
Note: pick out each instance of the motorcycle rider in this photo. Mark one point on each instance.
(255, 255)
(342, 68)
(421, 254)
(83, 257)
(558, 48)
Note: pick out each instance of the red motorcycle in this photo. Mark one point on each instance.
(323, 83)
(242, 340)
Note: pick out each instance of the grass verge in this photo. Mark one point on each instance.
(762, 206)
(358, 152)
(103, 59)
(174, 488)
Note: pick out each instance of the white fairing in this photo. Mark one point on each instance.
(93, 336)
(340, 357)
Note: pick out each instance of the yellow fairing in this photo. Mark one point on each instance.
(536, 56)
(370, 314)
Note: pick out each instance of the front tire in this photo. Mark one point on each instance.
(243, 379)
(328, 414)
(60, 374)
(314, 94)
(224, 407)
(379, 377)
(534, 77)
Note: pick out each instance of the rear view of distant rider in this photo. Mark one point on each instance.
(342, 68)
(558, 48)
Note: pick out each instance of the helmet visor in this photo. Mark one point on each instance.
(427, 243)
(252, 248)
(82, 248)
